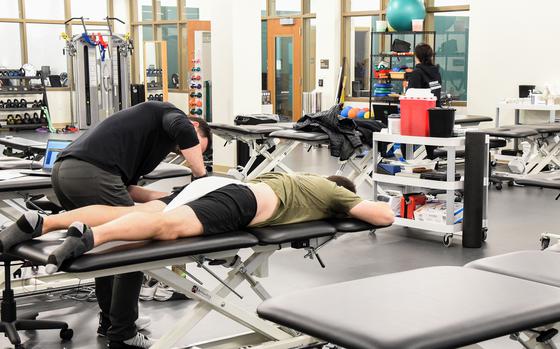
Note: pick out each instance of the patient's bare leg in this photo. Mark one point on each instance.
(95, 215)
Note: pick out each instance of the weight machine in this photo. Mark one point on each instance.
(101, 70)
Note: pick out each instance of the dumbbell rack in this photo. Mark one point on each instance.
(195, 87)
(155, 84)
(30, 116)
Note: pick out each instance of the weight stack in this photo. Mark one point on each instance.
(476, 162)
(137, 94)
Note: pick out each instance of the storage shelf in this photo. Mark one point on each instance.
(33, 92)
(409, 54)
(417, 182)
(19, 109)
(437, 227)
(20, 77)
(437, 141)
(404, 32)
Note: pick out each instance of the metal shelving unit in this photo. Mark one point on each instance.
(448, 230)
(18, 86)
(425, 37)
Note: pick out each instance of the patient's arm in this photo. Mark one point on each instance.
(376, 213)
(142, 194)
(96, 215)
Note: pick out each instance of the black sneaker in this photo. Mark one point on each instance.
(139, 341)
(103, 327)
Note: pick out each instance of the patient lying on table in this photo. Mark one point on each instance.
(207, 206)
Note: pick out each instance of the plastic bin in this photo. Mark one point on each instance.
(415, 120)
(442, 121)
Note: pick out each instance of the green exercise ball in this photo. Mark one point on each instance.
(400, 13)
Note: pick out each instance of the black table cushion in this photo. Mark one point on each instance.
(509, 132)
(263, 129)
(539, 266)
(165, 170)
(431, 308)
(292, 232)
(118, 254)
(550, 183)
(351, 225)
(300, 135)
(472, 119)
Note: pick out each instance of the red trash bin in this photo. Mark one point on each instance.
(415, 119)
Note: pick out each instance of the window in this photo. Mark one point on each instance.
(143, 33)
(286, 7)
(362, 5)
(94, 10)
(264, 55)
(167, 9)
(46, 9)
(44, 47)
(197, 10)
(169, 33)
(357, 53)
(263, 8)
(11, 49)
(145, 10)
(309, 57)
(451, 2)
(452, 51)
(10, 9)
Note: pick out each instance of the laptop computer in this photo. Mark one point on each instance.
(382, 111)
(54, 147)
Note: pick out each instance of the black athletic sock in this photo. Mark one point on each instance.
(27, 227)
(78, 241)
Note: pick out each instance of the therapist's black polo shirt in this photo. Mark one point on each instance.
(132, 142)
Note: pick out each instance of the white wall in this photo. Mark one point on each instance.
(511, 43)
(236, 66)
(60, 107)
(328, 47)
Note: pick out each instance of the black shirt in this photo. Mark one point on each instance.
(426, 76)
(133, 141)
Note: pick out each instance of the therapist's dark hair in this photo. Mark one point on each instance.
(344, 182)
(204, 129)
(424, 53)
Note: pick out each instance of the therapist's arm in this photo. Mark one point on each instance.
(194, 158)
(141, 195)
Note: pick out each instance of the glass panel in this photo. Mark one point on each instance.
(9, 9)
(284, 52)
(167, 9)
(197, 9)
(309, 57)
(169, 33)
(11, 48)
(94, 10)
(144, 33)
(264, 54)
(145, 10)
(451, 2)
(357, 52)
(362, 5)
(452, 51)
(286, 7)
(263, 8)
(44, 9)
(45, 47)
(313, 6)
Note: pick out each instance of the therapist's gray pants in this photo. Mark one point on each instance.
(76, 184)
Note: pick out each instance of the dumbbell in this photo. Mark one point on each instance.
(22, 103)
(10, 119)
(160, 97)
(150, 97)
(195, 77)
(9, 104)
(196, 86)
(196, 95)
(196, 111)
(195, 69)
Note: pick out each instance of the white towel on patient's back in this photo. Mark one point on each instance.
(199, 188)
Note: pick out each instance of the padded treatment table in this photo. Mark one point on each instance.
(165, 170)
(153, 257)
(474, 120)
(549, 183)
(24, 144)
(539, 266)
(430, 308)
(514, 132)
(20, 164)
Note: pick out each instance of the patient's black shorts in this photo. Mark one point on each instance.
(229, 208)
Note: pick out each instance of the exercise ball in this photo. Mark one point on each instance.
(344, 112)
(400, 13)
(353, 113)
(366, 115)
(361, 114)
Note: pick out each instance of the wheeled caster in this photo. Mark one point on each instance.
(484, 234)
(493, 163)
(545, 242)
(510, 184)
(499, 186)
(19, 346)
(447, 240)
(66, 334)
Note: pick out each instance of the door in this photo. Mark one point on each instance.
(284, 39)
